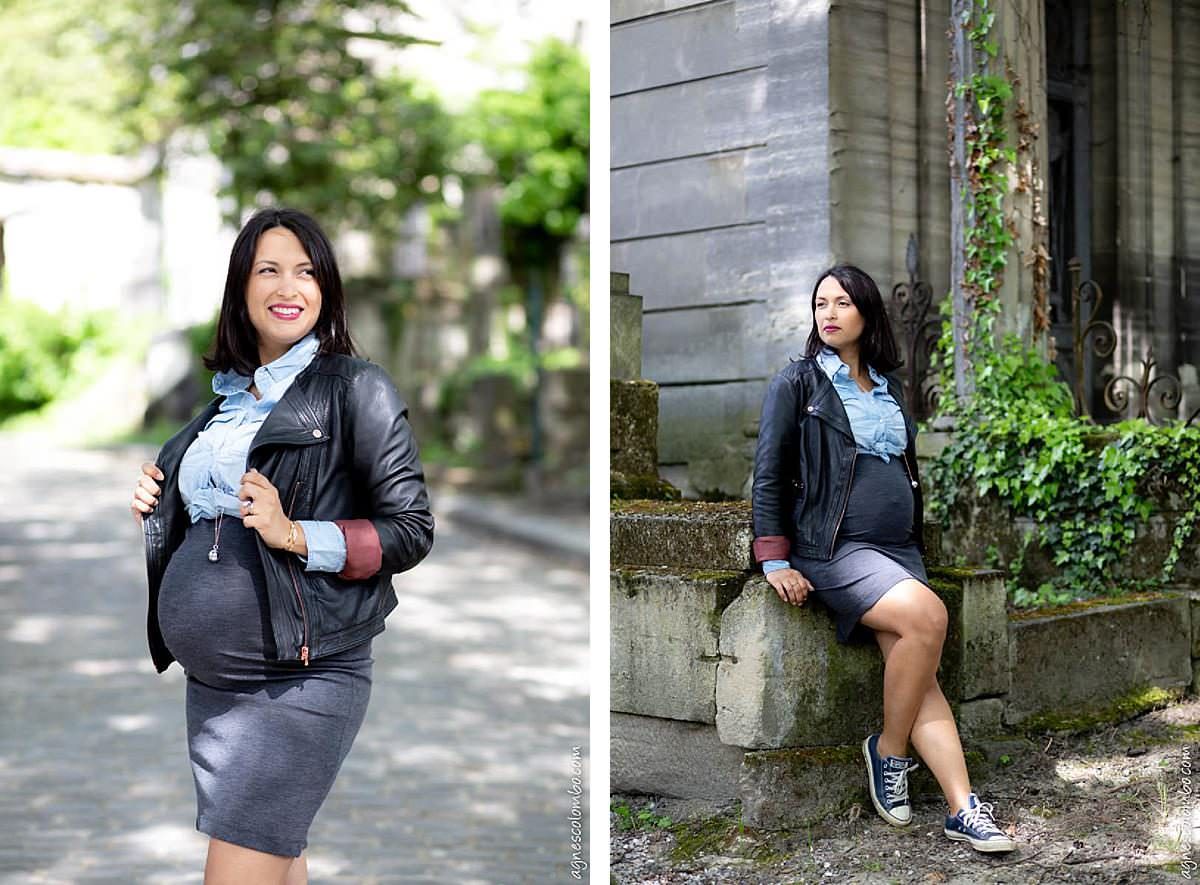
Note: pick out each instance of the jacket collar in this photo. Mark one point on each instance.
(291, 421)
(269, 378)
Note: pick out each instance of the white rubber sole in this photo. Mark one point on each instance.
(883, 812)
(985, 845)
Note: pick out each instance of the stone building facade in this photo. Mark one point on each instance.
(756, 142)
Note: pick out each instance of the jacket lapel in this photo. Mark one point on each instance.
(292, 420)
(826, 404)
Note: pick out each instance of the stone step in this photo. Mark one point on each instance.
(778, 789)
(698, 535)
(1087, 659)
(720, 647)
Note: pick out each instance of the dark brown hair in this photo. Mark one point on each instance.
(877, 344)
(236, 346)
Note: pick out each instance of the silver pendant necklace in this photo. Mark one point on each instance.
(212, 554)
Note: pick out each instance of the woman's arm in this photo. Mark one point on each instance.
(774, 462)
(385, 464)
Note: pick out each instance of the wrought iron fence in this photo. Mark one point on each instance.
(1156, 395)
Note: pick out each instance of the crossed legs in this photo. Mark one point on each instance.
(230, 864)
(910, 626)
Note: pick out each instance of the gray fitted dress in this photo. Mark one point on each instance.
(266, 738)
(874, 548)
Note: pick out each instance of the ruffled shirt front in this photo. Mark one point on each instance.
(212, 467)
(875, 417)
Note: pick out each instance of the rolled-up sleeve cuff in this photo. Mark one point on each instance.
(326, 546)
(771, 547)
(364, 553)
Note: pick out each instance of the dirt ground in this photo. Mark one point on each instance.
(1117, 804)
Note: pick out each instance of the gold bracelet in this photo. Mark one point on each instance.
(291, 541)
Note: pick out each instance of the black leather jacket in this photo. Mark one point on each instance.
(805, 461)
(337, 446)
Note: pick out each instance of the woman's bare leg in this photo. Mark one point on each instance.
(935, 737)
(298, 871)
(917, 617)
(230, 864)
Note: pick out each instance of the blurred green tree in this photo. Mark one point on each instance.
(292, 113)
(57, 88)
(537, 141)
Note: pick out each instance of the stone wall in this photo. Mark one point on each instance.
(755, 143)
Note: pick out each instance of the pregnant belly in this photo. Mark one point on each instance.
(213, 615)
(880, 508)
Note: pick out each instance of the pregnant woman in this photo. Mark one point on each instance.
(837, 514)
(273, 524)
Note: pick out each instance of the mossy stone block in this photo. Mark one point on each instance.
(663, 640)
(686, 535)
(633, 427)
(1088, 658)
(785, 681)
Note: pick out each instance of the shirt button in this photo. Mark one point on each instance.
(810, 408)
(317, 433)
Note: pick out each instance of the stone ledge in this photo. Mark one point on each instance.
(666, 757)
(1096, 655)
(698, 534)
(681, 534)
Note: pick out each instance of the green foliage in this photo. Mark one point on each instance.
(1085, 487)
(537, 141)
(629, 819)
(41, 352)
(293, 115)
(57, 88)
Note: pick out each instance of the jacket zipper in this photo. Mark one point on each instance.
(296, 587)
(837, 525)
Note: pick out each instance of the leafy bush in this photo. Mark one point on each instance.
(42, 353)
(1085, 487)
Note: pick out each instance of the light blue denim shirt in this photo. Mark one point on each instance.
(875, 416)
(213, 465)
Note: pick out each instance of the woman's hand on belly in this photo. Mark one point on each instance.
(791, 586)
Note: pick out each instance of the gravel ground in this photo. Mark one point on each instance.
(1117, 804)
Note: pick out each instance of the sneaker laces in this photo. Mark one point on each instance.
(895, 783)
(980, 819)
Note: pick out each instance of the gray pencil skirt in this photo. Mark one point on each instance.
(874, 549)
(266, 738)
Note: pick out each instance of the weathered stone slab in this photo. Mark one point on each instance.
(710, 39)
(785, 789)
(663, 640)
(984, 624)
(724, 189)
(693, 118)
(633, 427)
(1065, 662)
(680, 344)
(671, 758)
(625, 335)
(980, 718)
(785, 681)
(683, 535)
(1195, 614)
(693, 269)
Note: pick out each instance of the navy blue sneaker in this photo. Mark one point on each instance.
(889, 783)
(974, 824)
